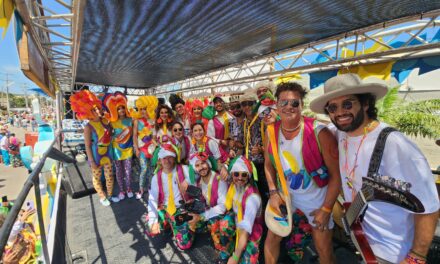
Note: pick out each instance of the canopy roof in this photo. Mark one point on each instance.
(148, 43)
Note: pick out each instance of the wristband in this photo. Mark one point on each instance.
(235, 257)
(413, 260)
(326, 209)
(418, 254)
(274, 191)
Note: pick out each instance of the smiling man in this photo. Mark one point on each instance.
(394, 234)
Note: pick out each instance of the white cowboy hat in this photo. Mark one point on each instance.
(345, 84)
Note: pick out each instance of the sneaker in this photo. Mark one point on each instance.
(104, 202)
(129, 194)
(121, 196)
(114, 199)
(139, 195)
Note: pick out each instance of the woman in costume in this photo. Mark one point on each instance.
(97, 138)
(196, 113)
(243, 198)
(122, 125)
(164, 120)
(182, 115)
(143, 127)
(181, 141)
(202, 143)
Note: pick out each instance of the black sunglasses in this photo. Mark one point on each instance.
(178, 129)
(294, 103)
(247, 103)
(235, 107)
(242, 173)
(346, 105)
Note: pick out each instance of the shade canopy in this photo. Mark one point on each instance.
(148, 43)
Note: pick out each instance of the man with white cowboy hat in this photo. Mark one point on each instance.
(167, 188)
(395, 235)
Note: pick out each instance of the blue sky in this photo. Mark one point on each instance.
(9, 63)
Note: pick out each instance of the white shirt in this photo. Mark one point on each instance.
(220, 208)
(253, 206)
(389, 228)
(213, 147)
(4, 143)
(232, 127)
(153, 196)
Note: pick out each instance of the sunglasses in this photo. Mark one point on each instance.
(178, 129)
(247, 103)
(242, 173)
(346, 105)
(235, 107)
(265, 113)
(294, 103)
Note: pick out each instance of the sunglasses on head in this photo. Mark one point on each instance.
(243, 174)
(178, 129)
(247, 103)
(294, 103)
(346, 105)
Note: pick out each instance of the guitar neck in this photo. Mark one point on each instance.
(356, 208)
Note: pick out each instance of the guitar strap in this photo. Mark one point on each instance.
(376, 157)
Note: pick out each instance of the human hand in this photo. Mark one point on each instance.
(255, 150)
(26, 214)
(137, 152)
(232, 153)
(155, 229)
(231, 260)
(193, 222)
(321, 219)
(275, 202)
(224, 174)
(183, 186)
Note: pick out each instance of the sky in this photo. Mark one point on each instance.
(9, 64)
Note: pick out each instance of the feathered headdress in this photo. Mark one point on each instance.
(83, 103)
(149, 102)
(111, 102)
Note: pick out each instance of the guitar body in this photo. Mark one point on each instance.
(360, 241)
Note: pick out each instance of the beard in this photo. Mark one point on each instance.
(358, 119)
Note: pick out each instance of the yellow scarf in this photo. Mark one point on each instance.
(171, 207)
(247, 131)
(226, 125)
(276, 157)
(164, 128)
(228, 204)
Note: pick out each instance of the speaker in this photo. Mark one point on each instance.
(77, 179)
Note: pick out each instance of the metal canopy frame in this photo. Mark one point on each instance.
(297, 60)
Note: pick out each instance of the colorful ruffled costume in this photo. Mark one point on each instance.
(84, 103)
(122, 138)
(144, 139)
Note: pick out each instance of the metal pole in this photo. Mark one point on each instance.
(7, 94)
(41, 220)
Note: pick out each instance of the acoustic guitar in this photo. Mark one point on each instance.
(377, 188)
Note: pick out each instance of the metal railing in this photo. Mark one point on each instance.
(33, 181)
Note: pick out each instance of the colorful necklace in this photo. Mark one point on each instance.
(351, 173)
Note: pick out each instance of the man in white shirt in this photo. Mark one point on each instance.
(167, 189)
(395, 235)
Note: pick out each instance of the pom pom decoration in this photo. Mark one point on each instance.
(83, 104)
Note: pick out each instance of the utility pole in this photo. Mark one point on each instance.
(25, 95)
(7, 91)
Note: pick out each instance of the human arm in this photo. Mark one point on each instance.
(88, 145)
(329, 149)
(135, 137)
(153, 197)
(274, 200)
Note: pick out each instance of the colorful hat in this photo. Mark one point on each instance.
(241, 163)
(267, 101)
(167, 150)
(148, 101)
(111, 103)
(83, 103)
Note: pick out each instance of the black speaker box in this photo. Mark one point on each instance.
(77, 179)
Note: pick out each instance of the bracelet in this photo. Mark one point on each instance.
(274, 191)
(418, 254)
(235, 257)
(413, 260)
(326, 209)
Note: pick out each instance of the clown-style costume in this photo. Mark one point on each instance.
(222, 127)
(215, 219)
(183, 145)
(122, 140)
(83, 104)
(211, 147)
(306, 176)
(144, 139)
(246, 204)
(198, 119)
(163, 203)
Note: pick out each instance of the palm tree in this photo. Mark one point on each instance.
(420, 118)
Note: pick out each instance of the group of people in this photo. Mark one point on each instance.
(10, 148)
(260, 170)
